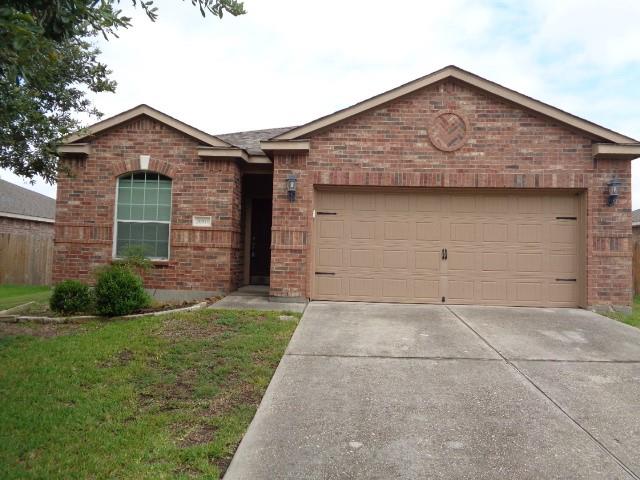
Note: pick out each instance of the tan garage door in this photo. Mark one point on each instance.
(432, 247)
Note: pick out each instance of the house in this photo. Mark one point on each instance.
(26, 235)
(635, 225)
(450, 189)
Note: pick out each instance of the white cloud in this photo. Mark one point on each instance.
(287, 62)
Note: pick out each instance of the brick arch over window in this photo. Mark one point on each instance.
(123, 167)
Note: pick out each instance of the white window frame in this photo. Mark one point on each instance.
(114, 247)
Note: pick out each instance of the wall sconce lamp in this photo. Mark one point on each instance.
(291, 187)
(614, 192)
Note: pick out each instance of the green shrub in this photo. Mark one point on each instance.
(71, 296)
(133, 257)
(119, 291)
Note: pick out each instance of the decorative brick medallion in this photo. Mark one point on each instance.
(448, 131)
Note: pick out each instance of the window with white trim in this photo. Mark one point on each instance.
(143, 214)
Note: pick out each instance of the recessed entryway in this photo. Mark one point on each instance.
(257, 201)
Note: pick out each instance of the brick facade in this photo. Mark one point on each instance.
(200, 258)
(17, 226)
(506, 147)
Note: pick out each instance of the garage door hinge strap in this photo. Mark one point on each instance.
(326, 213)
(325, 273)
(566, 280)
(566, 218)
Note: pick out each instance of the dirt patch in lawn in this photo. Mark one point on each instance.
(179, 328)
(46, 330)
(120, 359)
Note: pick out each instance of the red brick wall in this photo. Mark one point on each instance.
(506, 147)
(200, 258)
(16, 226)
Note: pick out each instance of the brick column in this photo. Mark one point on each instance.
(290, 228)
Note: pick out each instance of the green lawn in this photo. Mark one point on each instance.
(156, 397)
(632, 319)
(14, 295)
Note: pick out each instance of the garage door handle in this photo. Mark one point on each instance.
(444, 254)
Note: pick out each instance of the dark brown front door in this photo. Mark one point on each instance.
(260, 252)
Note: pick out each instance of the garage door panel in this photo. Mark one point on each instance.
(428, 230)
(460, 290)
(428, 260)
(395, 259)
(462, 232)
(460, 261)
(563, 292)
(529, 262)
(329, 257)
(364, 202)
(364, 258)
(364, 287)
(503, 248)
(493, 291)
(428, 289)
(361, 230)
(495, 262)
(396, 203)
(530, 233)
(564, 234)
(529, 204)
(563, 263)
(396, 230)
(331, 229)
(328, 286)
(495, 232)
(431, 203)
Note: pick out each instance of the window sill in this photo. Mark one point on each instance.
(154, 262)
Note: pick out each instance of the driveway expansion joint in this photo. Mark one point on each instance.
(543, 393)
(392, 357)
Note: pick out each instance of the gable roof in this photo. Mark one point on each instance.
(250, 140)
(143, 109)
(16, 201)
(467, 77)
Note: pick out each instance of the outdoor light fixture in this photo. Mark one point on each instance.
(291, 187)
(613, 191)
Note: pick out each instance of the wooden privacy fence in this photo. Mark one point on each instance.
(25, 259)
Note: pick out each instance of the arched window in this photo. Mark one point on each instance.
(143, 214)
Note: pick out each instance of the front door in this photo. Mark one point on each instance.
(260, 252)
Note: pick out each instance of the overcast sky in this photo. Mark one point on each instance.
(287, 62)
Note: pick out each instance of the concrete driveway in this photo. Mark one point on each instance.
(379, 391)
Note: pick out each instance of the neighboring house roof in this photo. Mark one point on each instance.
(250, 140)
(467, 77)
(635, 218)
(110, 122)
(18, 202)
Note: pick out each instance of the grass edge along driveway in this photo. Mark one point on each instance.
(155, 397)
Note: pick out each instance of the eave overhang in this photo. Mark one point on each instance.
(285, 146)
(621, 151)
(215, 152)
(74, 148)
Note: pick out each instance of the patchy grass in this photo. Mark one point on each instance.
(15, 295)
(155, 397)
(633, 318)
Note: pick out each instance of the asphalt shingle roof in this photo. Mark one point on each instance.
(250, 140)
(635, 216)
(20, 201)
